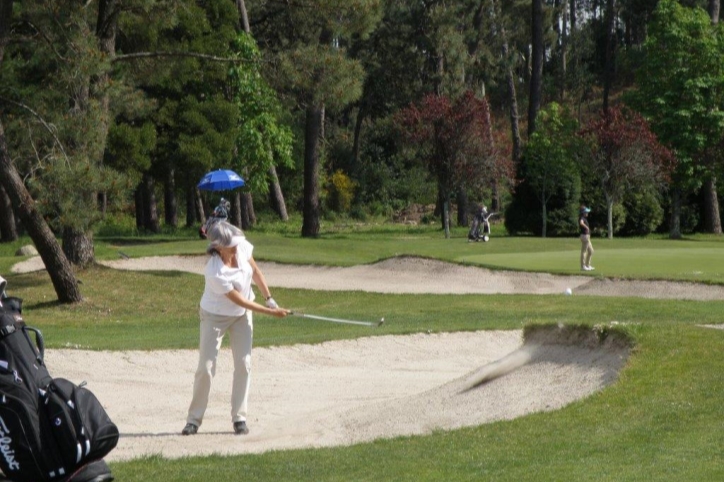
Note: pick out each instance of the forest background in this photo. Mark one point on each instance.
(111, 111)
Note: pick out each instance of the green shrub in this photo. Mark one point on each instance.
(644, 214)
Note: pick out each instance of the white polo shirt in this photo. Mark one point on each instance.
(221, 279)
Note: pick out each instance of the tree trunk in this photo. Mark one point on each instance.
(191, 216)
(361, 114)
(276, 198)
(538, 51)
(170, 204)
(243, 16)
(609, 215)
(311, 211)
(544, 216)
(247, 207)
(712, 219)
(106, 28)
(140, 205)
(495, 198)
(675, 217)
(462, 207)
(199, 205)
(102, 199)
(713, 8)
(150, 214)
(563, 44)
(8, 228)
(446, 213)
(711, 198)
(236, 216)
(78, 247)
(58, 267)
(512, 95)
(609, 67)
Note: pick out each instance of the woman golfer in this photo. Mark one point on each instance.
(226, 306)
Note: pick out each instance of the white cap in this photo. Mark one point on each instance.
(235, 241)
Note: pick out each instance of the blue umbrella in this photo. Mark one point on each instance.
(220, 180)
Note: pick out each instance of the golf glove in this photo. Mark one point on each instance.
(270, 303)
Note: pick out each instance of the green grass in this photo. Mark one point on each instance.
(663, 420)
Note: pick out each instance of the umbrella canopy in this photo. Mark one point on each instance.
(220, 180)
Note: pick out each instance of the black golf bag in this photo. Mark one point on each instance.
(50, 428)
(474, 232)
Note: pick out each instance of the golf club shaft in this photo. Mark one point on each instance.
(334, 320)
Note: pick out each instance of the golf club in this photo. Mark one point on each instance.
(338, 320)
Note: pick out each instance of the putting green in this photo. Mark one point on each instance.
(693, 264)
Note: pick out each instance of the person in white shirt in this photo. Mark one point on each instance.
(226, 306)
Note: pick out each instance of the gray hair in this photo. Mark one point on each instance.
(220, 236)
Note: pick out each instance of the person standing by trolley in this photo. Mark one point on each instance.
(226, 306)
(586, 246)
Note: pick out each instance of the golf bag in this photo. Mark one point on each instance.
(474, 232)
(221, 213)
(50, 428)
(480, 226)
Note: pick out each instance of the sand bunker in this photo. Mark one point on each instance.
(417, 275)
(346, 392)
(335, 393)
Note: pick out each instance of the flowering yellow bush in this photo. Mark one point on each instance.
(341, 191)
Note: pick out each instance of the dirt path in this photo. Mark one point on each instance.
(345, 392)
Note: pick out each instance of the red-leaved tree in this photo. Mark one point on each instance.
(624, 155)
(455, 139)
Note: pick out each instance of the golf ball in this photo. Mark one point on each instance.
(569, 291)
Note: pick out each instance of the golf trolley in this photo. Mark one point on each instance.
(221, 213)
(480, 227)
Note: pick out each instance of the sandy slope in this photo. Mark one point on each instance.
(344, 392)
(417, 275)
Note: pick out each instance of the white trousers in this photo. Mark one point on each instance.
(586, 250)
(212, 329)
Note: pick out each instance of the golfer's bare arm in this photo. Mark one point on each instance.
(237, 298)
(258, 278)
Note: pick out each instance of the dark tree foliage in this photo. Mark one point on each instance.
(453, 139)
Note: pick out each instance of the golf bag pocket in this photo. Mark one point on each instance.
(24, 454)
(79, 423)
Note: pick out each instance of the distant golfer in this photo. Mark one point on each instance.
(586, 247)
(226, 305)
